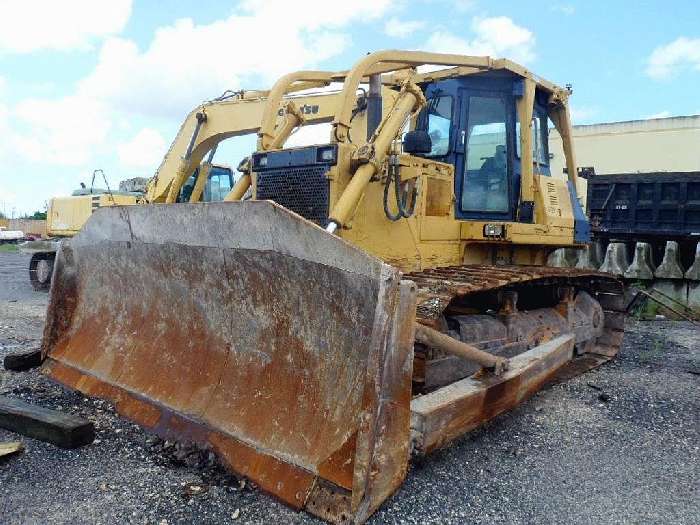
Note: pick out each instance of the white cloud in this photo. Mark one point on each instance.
(61, 25)
(402, 28)
(144, 150)
(311, 134)
(497, 37)
(660, 114)
(565, 9)
(62, 131)
(667, 60)
(186, 63)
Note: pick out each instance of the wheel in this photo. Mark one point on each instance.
(40, 271)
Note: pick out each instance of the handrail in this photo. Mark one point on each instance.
(341, 123)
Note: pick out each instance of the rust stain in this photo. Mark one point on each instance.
(340, 465)
(293, 372)
(289, 483)
(266, 360)
(438, 286)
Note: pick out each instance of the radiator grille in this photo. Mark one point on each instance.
(303, 190)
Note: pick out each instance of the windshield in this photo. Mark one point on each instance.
(218, 186)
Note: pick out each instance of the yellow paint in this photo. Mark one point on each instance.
(427, 241)
(66, 215)
(432, 236)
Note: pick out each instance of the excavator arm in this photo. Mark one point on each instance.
(273, 115)
(215, 121)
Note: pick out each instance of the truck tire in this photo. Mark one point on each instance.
(40, 270)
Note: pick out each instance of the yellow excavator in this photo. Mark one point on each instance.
(351, 304)
(66, 215)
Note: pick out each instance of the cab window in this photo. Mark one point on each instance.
(540, 139)
(187, 187)
(439, 112)
(218, 185)
(485, 181)
(216, 188)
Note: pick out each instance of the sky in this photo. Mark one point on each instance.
(87, 84)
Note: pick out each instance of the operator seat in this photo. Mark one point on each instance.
(493, 174)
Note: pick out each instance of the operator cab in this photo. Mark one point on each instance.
(469, 121)
(473, 124)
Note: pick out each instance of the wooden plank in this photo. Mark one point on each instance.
(10, 447)
(64, 430)
(447, 413)
(22, 361)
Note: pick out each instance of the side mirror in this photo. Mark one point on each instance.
(417, 141)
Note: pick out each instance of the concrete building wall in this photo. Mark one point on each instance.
(664, 144)
(28, 226)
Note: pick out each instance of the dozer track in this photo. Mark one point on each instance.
(478, 304)
(438, 287)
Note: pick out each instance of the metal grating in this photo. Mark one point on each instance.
(301, 189)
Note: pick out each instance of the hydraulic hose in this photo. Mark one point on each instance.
(405, 210)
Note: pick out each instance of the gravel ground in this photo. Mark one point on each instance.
(617, 445)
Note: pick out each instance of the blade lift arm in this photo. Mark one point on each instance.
(373, 154)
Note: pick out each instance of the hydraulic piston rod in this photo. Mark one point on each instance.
(409, 101)
(435, 339)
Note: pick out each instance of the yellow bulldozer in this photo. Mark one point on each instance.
(351, 304)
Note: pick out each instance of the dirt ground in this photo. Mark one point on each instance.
(620, 444)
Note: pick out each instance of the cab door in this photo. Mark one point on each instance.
(486, 181)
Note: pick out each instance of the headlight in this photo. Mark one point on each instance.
(494, 230)
(326, 154)
(260, 161)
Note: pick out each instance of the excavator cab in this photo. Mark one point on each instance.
(380, 295)
(218, 185)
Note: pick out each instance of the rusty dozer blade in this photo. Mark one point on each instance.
(247, 329)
